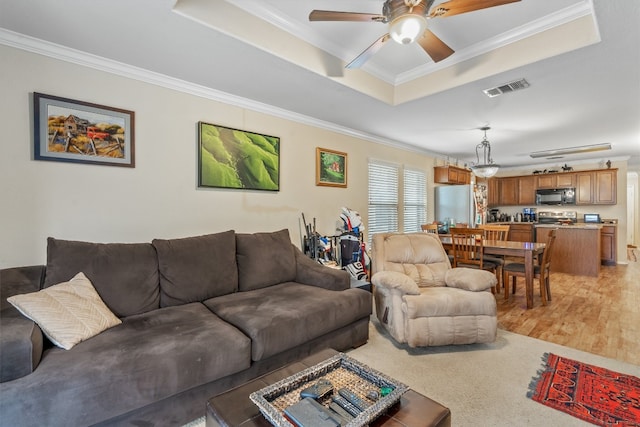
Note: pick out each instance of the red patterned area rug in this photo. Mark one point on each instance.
(597, 395)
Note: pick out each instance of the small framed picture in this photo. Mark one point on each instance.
(331, 168)
(66, 130)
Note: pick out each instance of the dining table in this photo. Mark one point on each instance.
(529, 251)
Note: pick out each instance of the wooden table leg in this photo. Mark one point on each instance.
(528, 277)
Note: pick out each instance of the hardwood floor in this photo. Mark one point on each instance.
(599, 315)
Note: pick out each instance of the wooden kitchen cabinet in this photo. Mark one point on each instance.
(451, 175)
(546, 181)
(584, 188)
(593, 187)
(556, 180)
(605, 187)
(596, 187)
(527, 190)
(608, 244)
(508, 193)
(566, 180)
(521, 232)
(493, 192)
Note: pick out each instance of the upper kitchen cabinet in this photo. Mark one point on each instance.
(508, 191)
(527, 190)
(596, 187)
(493, 192)
(451, 175)
(556, 180)
(512, 191)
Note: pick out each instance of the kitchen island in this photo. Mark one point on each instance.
(577, 247)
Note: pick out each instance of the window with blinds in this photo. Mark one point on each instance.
(415, 200)
(383, 198)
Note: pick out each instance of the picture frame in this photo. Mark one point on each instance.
(68, 130)
(237, 159)
(331, 168)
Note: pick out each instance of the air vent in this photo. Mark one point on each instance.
(506, 88)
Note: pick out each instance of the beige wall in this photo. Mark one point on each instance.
(160, 196)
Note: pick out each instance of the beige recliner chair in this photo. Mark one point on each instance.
(422, 301)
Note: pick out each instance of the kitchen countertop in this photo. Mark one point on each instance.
(578, 225)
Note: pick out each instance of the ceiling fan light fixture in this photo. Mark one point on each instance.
(406, 29)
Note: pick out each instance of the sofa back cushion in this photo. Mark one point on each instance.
(418, 255)
(265, 259)
(196, 268)
(125, 275)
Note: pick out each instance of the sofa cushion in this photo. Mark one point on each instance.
(67, 313)
(21, 340)
(265, 259)
(21, 344)
(283, 316)
(124, 274)
(196, 268)
(149, 357)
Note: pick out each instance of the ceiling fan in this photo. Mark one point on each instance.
(407, 21)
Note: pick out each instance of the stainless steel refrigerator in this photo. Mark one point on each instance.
(458, 203)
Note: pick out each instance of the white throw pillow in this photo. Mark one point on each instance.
(67, 313)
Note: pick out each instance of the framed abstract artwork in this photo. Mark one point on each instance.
(331, 168)
(237, 159)
(67, 130)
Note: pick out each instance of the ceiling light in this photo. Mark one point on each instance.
(487, 168)
(571, 150)
(405, 29)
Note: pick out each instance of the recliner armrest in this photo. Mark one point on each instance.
(470, 279)
(309, 272)
(396, 280)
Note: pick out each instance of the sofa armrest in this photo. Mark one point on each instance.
(396, 280)
(470, 279)
(309, 272)
(21, 340)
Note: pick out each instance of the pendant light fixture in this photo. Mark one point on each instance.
(487, 168)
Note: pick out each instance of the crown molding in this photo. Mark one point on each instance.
(74, 56)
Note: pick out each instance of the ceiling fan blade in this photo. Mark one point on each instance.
(330, 15)
(435, 48)
(456, 7)
(368, 52)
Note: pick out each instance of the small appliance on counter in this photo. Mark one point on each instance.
(592, 218)
(562, 217)
(493, 215)
(529, 215)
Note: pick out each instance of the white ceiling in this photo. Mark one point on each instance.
(582, 59)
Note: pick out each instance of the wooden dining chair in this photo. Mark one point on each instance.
(496, 232)
(430, 228)
(467, 250)
(541, 271)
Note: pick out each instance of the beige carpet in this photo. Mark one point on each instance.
(483, 384)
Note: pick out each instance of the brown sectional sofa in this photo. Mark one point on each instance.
(200, 315)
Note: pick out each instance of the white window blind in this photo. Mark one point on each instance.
(415, 200)
(383, 198)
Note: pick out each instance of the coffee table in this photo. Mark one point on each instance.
(234, 408)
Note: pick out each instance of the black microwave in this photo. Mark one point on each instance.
(556, 196)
